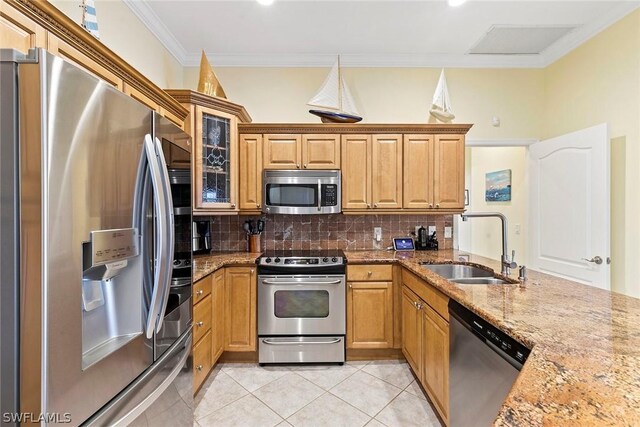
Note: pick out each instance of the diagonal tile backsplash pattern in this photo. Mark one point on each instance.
(347, 232)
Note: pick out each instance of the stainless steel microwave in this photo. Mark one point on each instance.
(301, 192)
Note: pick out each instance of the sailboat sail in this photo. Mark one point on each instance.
(441, 103)
(334, 93)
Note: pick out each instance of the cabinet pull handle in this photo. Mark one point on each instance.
(200, 324)
(199, 292)
(199, 367)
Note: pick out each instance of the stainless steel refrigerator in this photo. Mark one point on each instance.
(92, 330)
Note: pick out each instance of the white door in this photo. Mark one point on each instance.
(569, 206)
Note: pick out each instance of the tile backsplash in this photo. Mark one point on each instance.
(347, 232)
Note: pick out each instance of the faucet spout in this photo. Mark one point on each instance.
(507, 264)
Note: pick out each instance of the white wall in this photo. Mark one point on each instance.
(127, 36)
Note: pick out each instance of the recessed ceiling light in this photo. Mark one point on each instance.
(455, 3)
(265, 2)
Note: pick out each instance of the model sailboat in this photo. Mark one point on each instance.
(334, 95)
(441, 104)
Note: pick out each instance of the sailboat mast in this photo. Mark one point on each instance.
(339, 85)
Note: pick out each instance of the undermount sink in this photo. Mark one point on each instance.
(458, 271)
(465, 274)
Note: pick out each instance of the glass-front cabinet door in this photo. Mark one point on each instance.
(216, 166)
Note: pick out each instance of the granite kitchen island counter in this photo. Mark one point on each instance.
(584, 368)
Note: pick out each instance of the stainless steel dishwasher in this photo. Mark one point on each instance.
(484, 363)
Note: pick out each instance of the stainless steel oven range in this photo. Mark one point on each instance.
(301, 307)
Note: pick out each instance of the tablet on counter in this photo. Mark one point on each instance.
(403, 244)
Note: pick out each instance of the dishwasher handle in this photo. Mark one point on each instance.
(506, 347)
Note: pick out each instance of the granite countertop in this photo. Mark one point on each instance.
(584, 368)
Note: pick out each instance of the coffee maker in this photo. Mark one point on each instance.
(201, 243)
(426, 242)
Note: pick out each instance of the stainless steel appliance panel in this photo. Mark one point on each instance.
(301, 305)
(480, 376)
(90, 146)
(9, 235)
(301, 349)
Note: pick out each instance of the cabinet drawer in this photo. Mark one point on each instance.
(201, 318)
(370, 272)
(436, 299)
(202, 288)
(201, 360)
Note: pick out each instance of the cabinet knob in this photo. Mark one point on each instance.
(259, 205)
(199, 292)
(233, 205)
(350, 286)
(430, 205)
(298, 165)
(368, 206)
(305, 165)
(415, 304)
(437, 205)
(375, 205)
(199, 367)
(419, 306)
(369, 273)
(252, 270)
(200, 324)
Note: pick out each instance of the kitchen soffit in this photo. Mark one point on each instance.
(366, 33)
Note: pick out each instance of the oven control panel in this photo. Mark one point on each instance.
(301, 261)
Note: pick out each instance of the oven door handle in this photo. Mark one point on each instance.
(284, 282)
(271, 342)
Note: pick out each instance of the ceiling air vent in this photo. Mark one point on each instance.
(511, 40)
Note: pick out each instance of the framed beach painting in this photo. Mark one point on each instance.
(498, 186)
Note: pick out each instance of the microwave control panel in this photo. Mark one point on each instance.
(329, 195)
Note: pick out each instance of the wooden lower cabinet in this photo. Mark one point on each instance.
(202, 305)
(425, 344)
(435, 359)
(217, 313)
(240, 309)
(412, 331)
(370, 315)
(201, 360)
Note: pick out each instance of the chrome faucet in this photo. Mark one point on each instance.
(507, 264)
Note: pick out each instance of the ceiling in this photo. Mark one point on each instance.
(394, 33)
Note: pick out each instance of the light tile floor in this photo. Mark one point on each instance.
(379, 393)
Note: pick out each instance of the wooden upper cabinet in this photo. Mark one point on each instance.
(370, 315)
(64, 50)
(282, 151)
(386, 170)
(418, 171)
(448, 186)
(250, 148)
(215, 170)
(356, 172)
(240, 309)
(141, 97)
(435, 359)
(411, 330)
(19, 32)
(321, 151)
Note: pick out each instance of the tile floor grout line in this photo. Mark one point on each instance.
(337, 397)
(382, 379)
(227, 404)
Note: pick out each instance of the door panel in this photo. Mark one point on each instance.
(448, 187)
(282, 151)
(570, 175)
(370, 315)
(217, 324)
(251, 172)
(386, 171)
(321, 151)
(418, 171)
(240, 309)
(17, 31)
(93, 328)
(435, 353)
(356, 172)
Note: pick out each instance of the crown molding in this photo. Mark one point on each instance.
(585, 32)
(515, 142)
(150, 19)
(557, 50)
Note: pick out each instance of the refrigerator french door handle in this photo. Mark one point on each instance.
(169, 233)
(160, 219)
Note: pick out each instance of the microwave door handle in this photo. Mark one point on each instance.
(159, 240)
(167, 262)
(319, 196)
